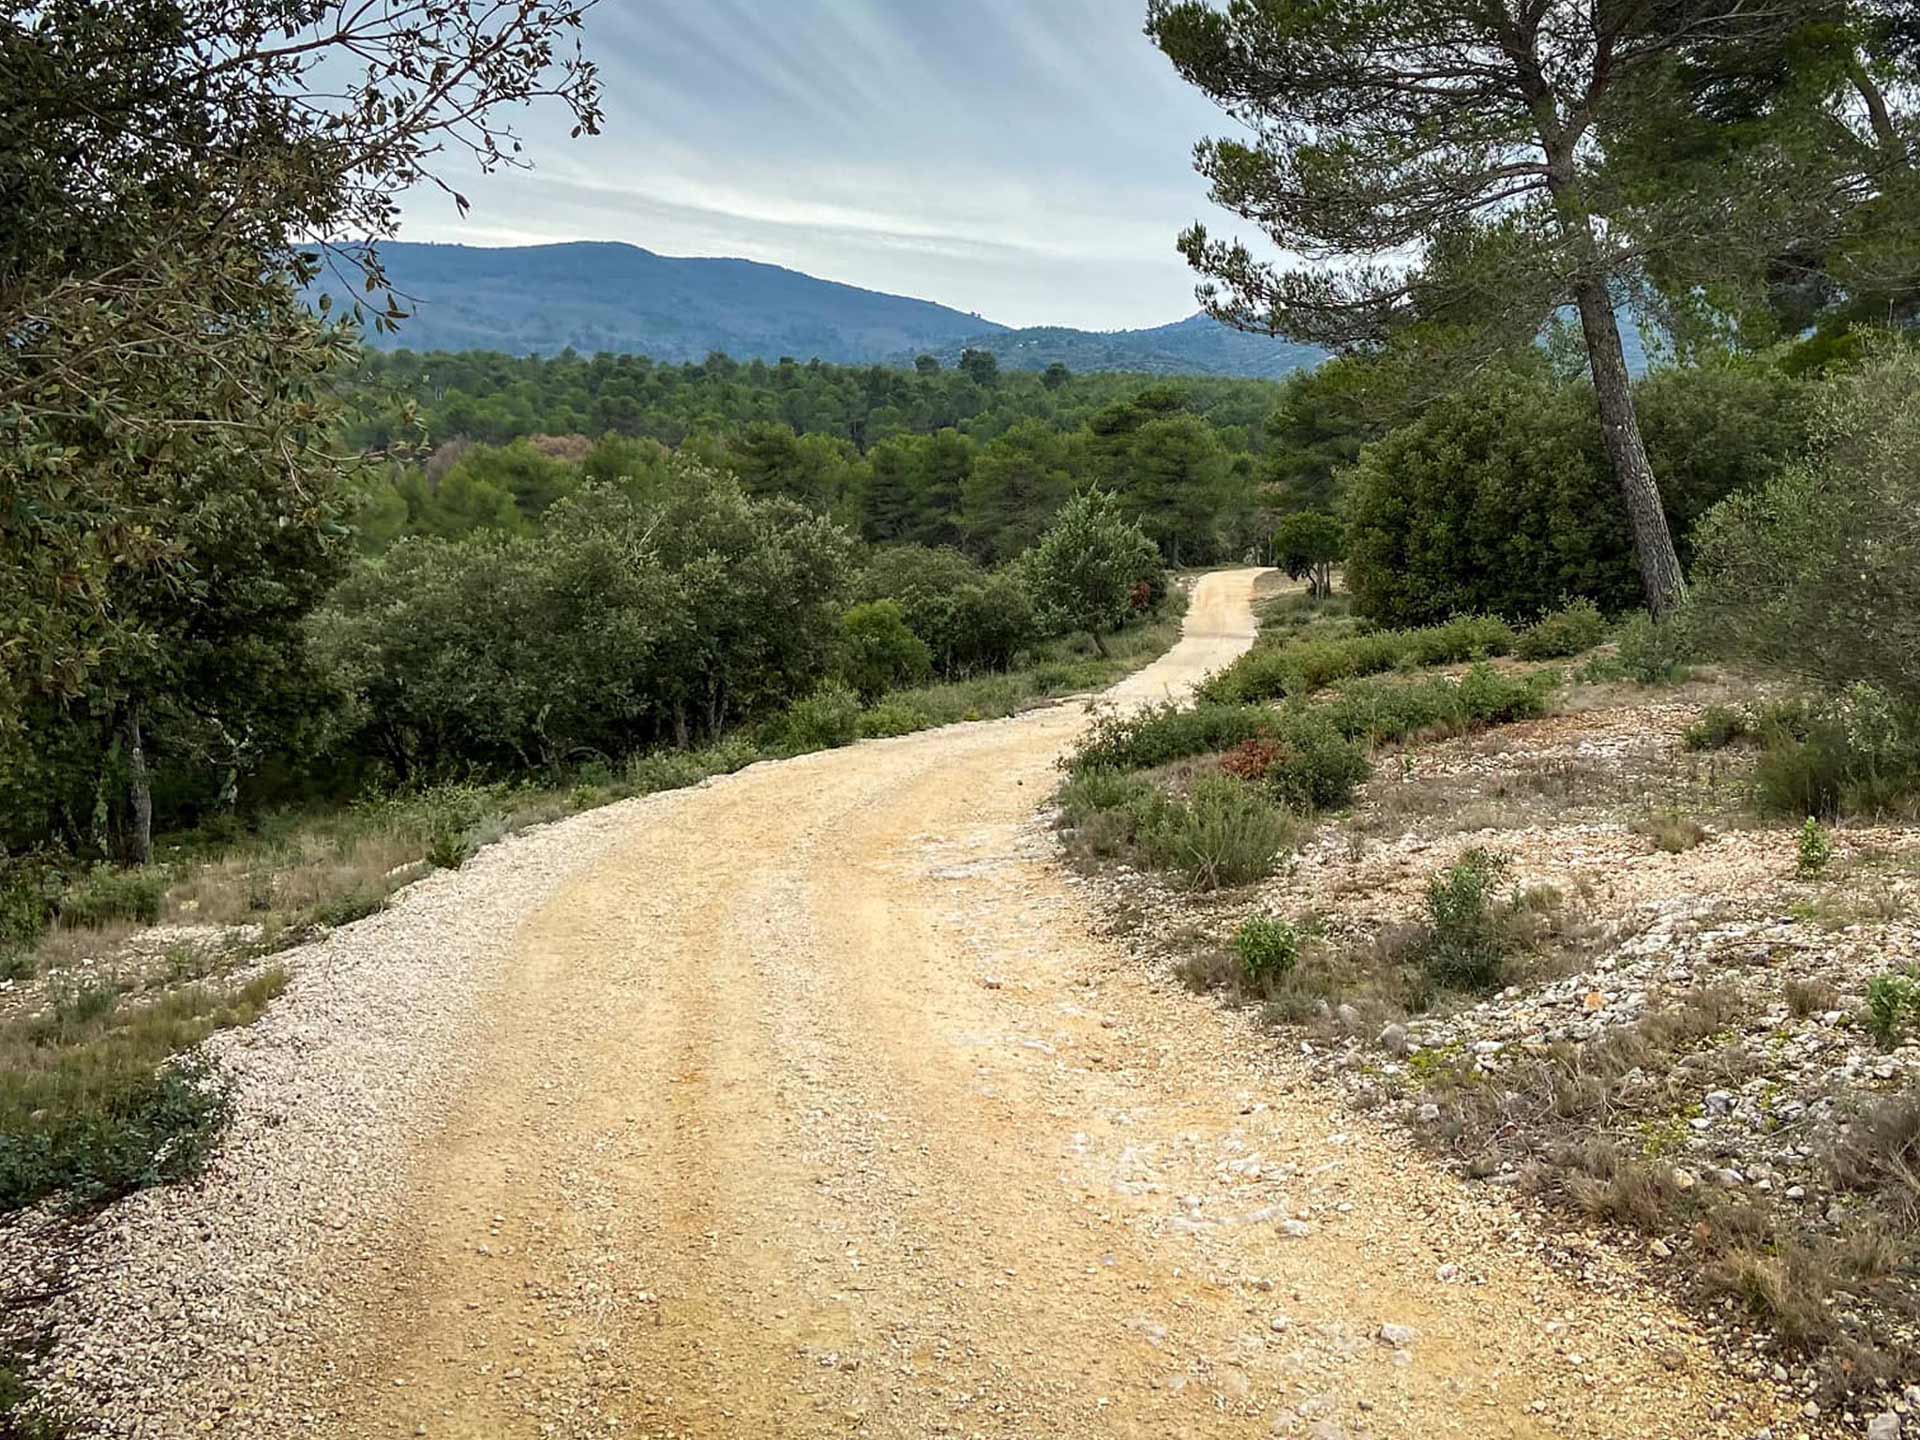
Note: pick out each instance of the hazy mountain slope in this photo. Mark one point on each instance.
(1194, 346)
(593, 296)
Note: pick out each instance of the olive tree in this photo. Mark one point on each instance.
(1089, 566)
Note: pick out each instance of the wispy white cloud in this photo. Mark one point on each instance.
(1026, 160)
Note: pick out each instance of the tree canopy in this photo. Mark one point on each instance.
(1454, 168)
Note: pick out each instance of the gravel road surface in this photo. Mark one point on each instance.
(806, 1103)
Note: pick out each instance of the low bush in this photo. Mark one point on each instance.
(343, 907)
(1268, 949)
(1380, 711)
(1892, 1001)
(92, 1103)
(1465, 947)
(890, 718)
(448, 817)
(1718, 727)
(1223, 832)
(1159, 734)
(106, 893)
(676, 769)
(825, 720)
(1815, 848)
(1464, 637)
(1654, 652)
(1093, 789)
(1855, 754)
(150, 1129)
(1315, 767)
(1301, 666)
(1671, 833)
(1259, 740)
(28, 889)
(1573, 629)
(1879, 1154)
(1252, 759)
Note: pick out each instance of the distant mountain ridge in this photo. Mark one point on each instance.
(604, 295)
(1197, 345)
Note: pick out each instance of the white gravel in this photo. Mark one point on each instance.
(170, 1304)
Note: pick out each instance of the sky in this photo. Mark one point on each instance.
(1026, 160)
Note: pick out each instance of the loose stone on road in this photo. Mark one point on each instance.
(810, 1104)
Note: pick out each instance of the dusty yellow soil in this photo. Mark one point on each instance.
(819, 1110)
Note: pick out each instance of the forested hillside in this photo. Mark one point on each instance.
(540, 299)
(621, 299)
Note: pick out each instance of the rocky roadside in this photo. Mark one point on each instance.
(1752, 1114)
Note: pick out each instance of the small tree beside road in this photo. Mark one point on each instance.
(1087, 567)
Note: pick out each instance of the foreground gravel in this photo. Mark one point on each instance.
(174, 1302)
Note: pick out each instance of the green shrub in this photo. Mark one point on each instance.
(1380, 711)
(447, 817)
(1268, 949)
(1465, 947)
(1224, 832)
(1315, 767)
(970, 621)
(591, 633)
(1144, 739)
(1574, 628)
(107, 893)
(28, 890)
(825, 720)
(1464, 637)
(878, 652)
(676, 769)
(892, 717)
(355, 903)
(147, 1129)
(1654, 652)
(1815, 847)
(1718, 727)
(1818, 573)
(94, 1102)
(1499, 498)
(1299, 667)
(1891, 1000)
(1856, 754)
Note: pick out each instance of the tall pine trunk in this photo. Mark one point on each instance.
(1660, 574)
(139, 838)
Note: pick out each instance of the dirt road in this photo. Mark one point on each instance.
(816, 1109)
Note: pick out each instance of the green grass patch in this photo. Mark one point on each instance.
(93, 1102)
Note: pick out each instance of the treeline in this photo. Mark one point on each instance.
(666, 607)
(1493, 495)
(495, 398)
(1184, 461)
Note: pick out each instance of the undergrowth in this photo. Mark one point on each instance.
(93, 1101)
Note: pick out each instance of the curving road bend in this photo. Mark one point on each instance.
(815, 1107)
